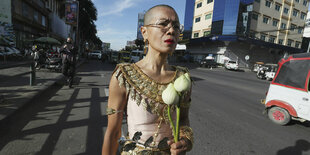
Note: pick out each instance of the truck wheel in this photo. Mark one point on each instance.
(279, 115)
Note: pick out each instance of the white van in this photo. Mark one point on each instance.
(136, 55)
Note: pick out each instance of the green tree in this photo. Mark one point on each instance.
(87, 27)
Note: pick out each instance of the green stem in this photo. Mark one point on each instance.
(177, 124)
(171, 123)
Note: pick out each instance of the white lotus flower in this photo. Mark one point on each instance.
(170, 95)
(182, 83)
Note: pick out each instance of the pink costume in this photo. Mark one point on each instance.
(146, 111)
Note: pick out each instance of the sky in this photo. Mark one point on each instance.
(118, 19)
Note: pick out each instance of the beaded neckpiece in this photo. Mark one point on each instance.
(144, 90)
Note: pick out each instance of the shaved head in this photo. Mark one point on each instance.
(149, 13)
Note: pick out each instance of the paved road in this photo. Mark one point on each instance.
(226, 116)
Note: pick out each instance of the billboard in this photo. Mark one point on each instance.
(71, 12)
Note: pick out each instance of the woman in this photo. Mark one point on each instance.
(137, 88)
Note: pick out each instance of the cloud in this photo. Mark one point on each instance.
(118, 7)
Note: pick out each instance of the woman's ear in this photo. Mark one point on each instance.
(144, 32)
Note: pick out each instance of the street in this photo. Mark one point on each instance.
(226, 116)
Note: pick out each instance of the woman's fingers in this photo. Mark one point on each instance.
(178, 147)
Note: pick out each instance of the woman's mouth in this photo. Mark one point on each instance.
(169, 41)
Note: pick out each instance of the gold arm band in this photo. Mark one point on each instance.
(187, 132)
(111, 111)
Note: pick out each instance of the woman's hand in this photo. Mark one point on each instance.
(178, 148)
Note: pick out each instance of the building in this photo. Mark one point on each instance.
(262, 30)
(32, 19)
(188, 19)
(140, 23)
(7, 35)
(277, 21)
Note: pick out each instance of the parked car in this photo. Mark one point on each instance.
(208, 63)
(231, 65)
(288, 96)
(271, 71)
(256, 66)
(95, 54)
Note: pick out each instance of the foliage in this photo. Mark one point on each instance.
(87, 27)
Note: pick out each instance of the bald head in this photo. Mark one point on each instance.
(148, 16)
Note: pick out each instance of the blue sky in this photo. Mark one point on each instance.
(118, 19)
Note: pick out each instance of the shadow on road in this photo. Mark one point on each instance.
(300, 146)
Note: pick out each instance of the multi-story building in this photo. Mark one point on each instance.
(202, 21)
(188, 19)
(140, 23)
(276, 21)
(32, 19)
(258, 30)
(280, 22)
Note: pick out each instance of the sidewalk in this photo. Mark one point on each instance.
(15, 91)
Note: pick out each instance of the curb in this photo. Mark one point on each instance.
(46, 87)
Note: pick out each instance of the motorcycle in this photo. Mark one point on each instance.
(54, 63)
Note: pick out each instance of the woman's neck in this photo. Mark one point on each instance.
(155, 61)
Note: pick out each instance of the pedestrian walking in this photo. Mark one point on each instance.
(144, 92)
(68, 52)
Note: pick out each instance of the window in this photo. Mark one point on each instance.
(263, 37)
(268, 4)
(280, 41)
(208, 16)
(297, 44)
(302, 16)
(265, 20)
(293, 27)
(289, 42)
(258, 1)
(272, 39)
(285, 10)
(277, 7)
(295, 13)
(197, 19)
(35, 15)
(297, 1)
(205, 33)
(283, 26)
(196, 35)
(199, 5)
(255, 16)
(304, 3)
(25, 9)
(43, 21)
(299, 30)
(209, 1)
(275, 23)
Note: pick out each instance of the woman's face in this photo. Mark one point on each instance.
(162, 32)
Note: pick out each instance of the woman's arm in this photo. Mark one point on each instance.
(117, 101)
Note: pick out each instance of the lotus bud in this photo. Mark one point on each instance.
(187, 76)
(170, 95)
(182, 83)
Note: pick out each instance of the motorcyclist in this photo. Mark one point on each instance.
(68, 52)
